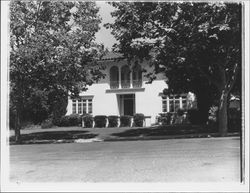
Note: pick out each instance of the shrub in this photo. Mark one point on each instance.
(180, 112)
(88, 121)
(234, 120)
(193, 116)
(138, 120)
(213, 113)
(100, 120)
(165, 118)
(125, 121)
(113, 121)
(180, 117)
(75, 120)
(47, 124)
(69, 120)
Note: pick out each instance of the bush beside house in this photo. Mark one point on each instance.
(138, 120)
(68, 120)
(48, 123)
(125, 121)
(100, 120)
(165, 118)
(88, 121)
(113, 121)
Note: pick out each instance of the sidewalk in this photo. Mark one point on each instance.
(85, 135)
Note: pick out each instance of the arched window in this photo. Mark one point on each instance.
(137, 76)
(125, 76)
(114, 77)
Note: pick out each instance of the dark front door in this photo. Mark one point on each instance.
(129, 104)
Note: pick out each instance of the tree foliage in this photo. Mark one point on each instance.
(52, 54)
(197, 45)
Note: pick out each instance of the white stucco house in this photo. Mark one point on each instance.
(124, 91)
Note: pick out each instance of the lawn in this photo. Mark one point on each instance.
(164, 131)
(70, 134)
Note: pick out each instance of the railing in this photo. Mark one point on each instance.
(114, 84)
(137, 83)
(125, 83)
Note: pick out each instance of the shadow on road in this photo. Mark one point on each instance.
(55, 135)
(165, 131)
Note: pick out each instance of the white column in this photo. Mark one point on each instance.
(180, 102)
(131, 83)
(87, 106)
(167, 104)
(76, 106)
(120, 78)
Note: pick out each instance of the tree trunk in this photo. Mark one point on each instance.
(203, 105)
(18, 128)
(222, 115)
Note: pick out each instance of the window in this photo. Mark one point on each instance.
(173, 103)
(74, 107)
(184, 103)
(125, 76)
(114, 77)
(82, 106)
(137, 76)
(90, 106)
(164, 104)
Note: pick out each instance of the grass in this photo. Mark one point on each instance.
(165, 131)
(70, 134)
(55, 135)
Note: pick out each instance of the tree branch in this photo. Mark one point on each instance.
(210, 78)
(232, 81)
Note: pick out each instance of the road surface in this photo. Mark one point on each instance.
(175, 160)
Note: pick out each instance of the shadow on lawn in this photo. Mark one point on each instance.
(56, 135)
(165, 131)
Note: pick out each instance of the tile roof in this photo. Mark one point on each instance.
(111, 56)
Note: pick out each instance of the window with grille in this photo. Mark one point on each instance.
(173, 103)
(82, 106)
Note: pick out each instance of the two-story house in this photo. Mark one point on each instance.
(124, 91)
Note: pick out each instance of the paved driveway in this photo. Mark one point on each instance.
(175, 160)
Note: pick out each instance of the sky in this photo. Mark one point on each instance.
(104, 35)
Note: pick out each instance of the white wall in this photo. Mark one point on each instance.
(147, 102)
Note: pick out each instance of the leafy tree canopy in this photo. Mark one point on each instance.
(52, 50)
(192, 43)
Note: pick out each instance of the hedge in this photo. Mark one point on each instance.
(100, 120)
(125, 121)
(165, 118)
(113, 121)
(88, 121)
(138, 120)
(68, 120)
(47, 124)
(234, 120)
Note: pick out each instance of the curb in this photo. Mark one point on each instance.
(139, 138)
(187, 136)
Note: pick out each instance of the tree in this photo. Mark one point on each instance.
(197, 45)
(52, 54)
